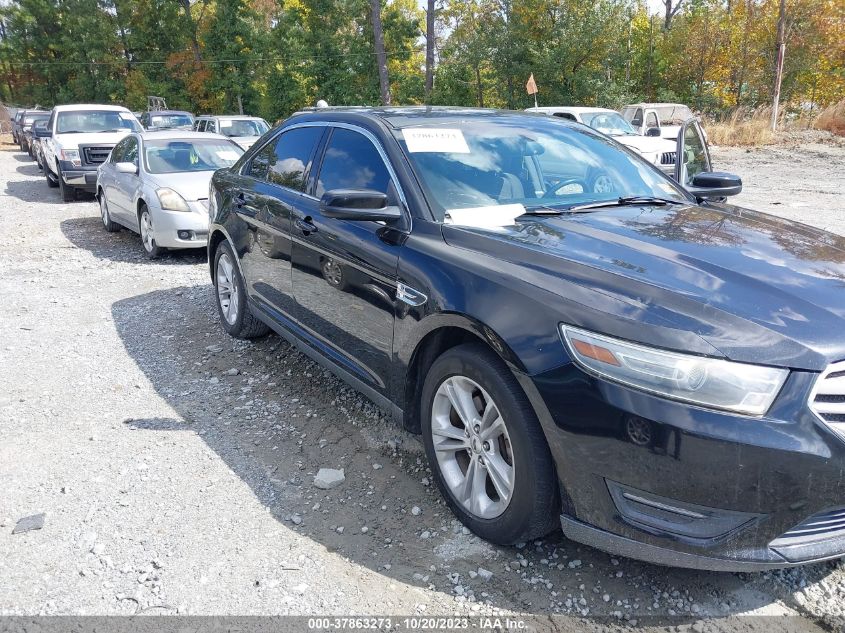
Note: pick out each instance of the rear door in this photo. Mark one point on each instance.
(345, 272)
(279, 174)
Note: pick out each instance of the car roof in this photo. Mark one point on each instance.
(572, 109)
(405, 116)
(656, 105)
(153, 112)
(177, 135)
(229, 116)
(90, 106)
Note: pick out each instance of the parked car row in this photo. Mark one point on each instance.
(152, 182)
(582, 341)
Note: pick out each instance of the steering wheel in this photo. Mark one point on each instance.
(553, 191)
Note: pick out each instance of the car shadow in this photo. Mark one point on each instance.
(89, 234)
(275, 417)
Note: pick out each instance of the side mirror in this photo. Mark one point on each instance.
(715, 184)
(358, 204)
(41, 132)
(653, 131)
(126, 168)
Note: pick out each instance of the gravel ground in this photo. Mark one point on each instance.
(175, 465)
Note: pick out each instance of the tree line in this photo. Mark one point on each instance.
(272, 57)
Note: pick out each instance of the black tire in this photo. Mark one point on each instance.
(153, 251)
(108, 224)
(68, 193)
(534, 507)
(48, 174)
(244, 325)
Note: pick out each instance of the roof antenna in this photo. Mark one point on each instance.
(322, 103)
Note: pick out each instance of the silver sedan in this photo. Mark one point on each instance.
(156, 184)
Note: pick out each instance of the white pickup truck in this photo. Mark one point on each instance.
(78, 139)
(657, 119)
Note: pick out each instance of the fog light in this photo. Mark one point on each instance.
(185, 235)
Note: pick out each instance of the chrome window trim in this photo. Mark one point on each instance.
(837, 428)
(347, 126)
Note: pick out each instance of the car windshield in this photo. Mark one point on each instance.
(673, 114)
(243, 127)
(528, 162)
(170, 156)
(171, 120)
(610, 123)
(88, 121)
(29, 120)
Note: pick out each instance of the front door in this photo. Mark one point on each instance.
(693, 156)
(345, 272)
(126, 184)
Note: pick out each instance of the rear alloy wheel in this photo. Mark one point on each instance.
(111, 227)
(232, 306)
(486, 449)
(145, 225)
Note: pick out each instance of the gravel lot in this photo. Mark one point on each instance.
(175, 465)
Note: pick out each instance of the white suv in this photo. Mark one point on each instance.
(78, 139)
(244, 130)
(660, 152)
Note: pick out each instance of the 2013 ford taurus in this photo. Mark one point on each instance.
(580, 340)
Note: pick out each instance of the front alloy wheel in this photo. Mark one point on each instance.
(485, 447)
(147, 231)
(473, 447)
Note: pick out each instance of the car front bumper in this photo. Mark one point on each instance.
(674, 484)
(181, 229)
(79, 177)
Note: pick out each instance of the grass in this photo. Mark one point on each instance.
(742, 128)
(832, 119)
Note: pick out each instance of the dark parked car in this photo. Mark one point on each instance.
(25, 133)
(579, 340)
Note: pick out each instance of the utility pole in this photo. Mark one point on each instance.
(381, 57)
(429, 51)
(781, 52)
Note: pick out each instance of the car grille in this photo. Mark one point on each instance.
(822, 526)
(828, 398)
(95, 154)
(667, 158)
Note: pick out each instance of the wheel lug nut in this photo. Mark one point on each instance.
(486, 446)
(476, 428)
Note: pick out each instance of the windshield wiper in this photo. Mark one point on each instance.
(624, 201)
(543, 210)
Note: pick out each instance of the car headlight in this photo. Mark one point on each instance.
(71, 156)
(170, 200)
(709, 382)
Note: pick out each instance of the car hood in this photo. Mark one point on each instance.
(712, 280)
(650, 144)
(245, 141)
(68, 141)
(191, 185)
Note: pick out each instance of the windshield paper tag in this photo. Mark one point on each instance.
(227, 154)
(439, 140)
(126, 116)
(494, 216)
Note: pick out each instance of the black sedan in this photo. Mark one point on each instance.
(580, 340)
